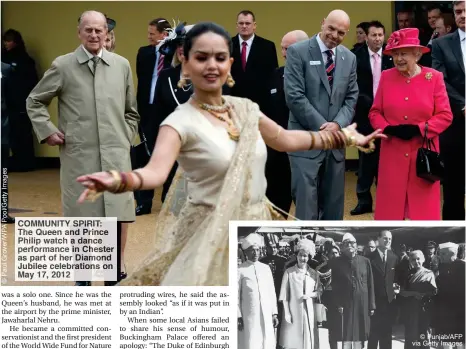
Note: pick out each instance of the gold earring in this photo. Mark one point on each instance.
(182, 83)
(230, 81)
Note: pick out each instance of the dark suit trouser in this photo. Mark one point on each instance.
(333, 317)
(381, 325)
(5, 155)
(453, 154)
(149, 128)
(278, 175)
(367, 172)
(318, 187)
(21, 141)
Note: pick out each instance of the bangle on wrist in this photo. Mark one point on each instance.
(116, 181)
(330, 140)
(350, 139)
(312, 140)
(341, 140)
(324, 140)
(141, 181)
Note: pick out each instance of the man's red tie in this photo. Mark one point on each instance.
(243, 54)
(160, 64)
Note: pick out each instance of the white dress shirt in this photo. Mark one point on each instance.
(155, 75)
(248, 47)
(382, 254)
(371, 53)
(463, 43)
(90, 55)
(324, 48)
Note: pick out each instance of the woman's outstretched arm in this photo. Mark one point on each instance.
(283, 140)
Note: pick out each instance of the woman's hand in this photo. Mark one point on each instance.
(404, 132)
(95, 184)
(361, 140)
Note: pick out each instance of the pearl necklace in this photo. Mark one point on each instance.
(232, 130)
(416, 71)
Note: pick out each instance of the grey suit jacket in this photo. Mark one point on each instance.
(448, 59)
(308, 93)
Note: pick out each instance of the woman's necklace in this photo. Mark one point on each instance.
(187, 87)
(232, 130)
(416, 71)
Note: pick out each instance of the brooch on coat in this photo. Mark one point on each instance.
(428, 76)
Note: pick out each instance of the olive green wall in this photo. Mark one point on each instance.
(50, 28)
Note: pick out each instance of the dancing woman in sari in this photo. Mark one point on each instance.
(219, 142)
(300, 288)
(419, 288)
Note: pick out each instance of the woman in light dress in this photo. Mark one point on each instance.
(300, 288)
(219, 143)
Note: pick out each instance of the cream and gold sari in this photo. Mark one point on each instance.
(191, 240)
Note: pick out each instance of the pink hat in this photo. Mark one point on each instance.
(408, 37)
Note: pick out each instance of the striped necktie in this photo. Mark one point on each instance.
(244, 51)
(330, 67)
(160, 64)
(95, 60)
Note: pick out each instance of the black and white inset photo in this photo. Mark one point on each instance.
(387, 287)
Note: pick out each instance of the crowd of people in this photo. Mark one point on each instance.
(230, 135)
(358, 292)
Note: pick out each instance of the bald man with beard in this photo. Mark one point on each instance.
(277, 169)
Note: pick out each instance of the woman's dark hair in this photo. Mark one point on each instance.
(14, 36)
(202, 28)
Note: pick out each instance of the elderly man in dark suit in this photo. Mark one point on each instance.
(255, 60)
(370, 64)
(149, 64)
(448, 56)
(6, 68)
(353, 295)
(277, 168)
(384, 264)
(321, 91)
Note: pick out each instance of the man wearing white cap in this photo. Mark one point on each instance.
(257, 302)
(353, 293)
(450, 300)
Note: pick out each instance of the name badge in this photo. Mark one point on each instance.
(272, 91)
(315, 62)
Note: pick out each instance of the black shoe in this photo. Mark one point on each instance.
(143, 209)
(361, 209)
(82, 283)
(113, 283)
(9, 220)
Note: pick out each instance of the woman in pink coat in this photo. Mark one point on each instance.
(408, 97)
